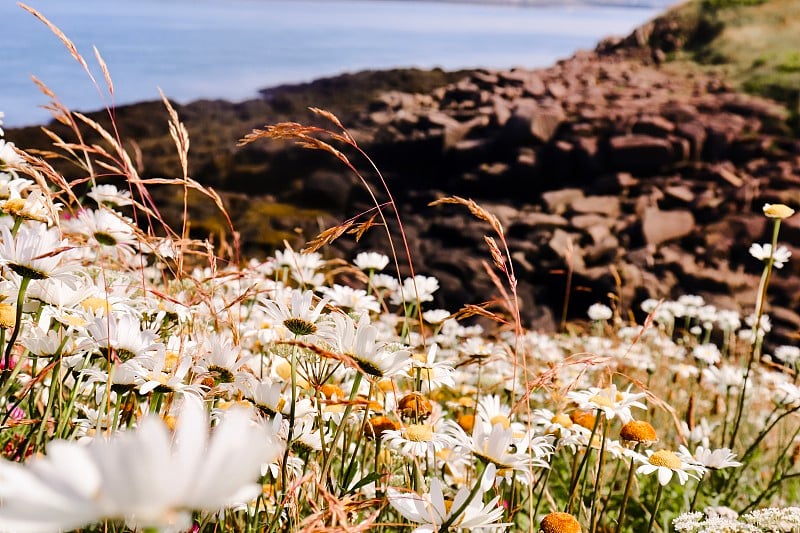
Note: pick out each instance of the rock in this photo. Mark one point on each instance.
(604, 205)
(752, 106)
(680, 192)
(695, 133)
(655, 126)
(725, 173)
(661, 226)
(531, 121)
(640, 153)
(681, 147)
(527, 222)
(557, 201)
(586, 222)
(722, 130)
(565, 246)
(530, 81)
(557, 90)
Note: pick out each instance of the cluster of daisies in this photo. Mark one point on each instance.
(293, 393)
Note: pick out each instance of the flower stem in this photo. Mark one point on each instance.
(23, 286)
(455, 513)
(573, 488)
(626, 495)
(599, 481)
(655, 508)
(696, 493)
(755, 346)
(326, 466)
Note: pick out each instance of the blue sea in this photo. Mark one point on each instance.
(231, 48)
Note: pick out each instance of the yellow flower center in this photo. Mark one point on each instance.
(466, 401)
(560, 523)
(419, 432)
(502, 420)
(72, 320)
(171, 360)
(426, 374)
(562, 420)
(420, 357)
(467, 422)
(13, 206)
(386, 385)
(666, 458)
(93, 303)
(8, 315)
(601, 400)
(638, 431)
(330, 391)
(284, 370)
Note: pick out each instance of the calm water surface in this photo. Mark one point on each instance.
(230, 49)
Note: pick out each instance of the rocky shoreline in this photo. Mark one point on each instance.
(645, 178)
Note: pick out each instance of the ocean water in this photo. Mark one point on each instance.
(231, 48)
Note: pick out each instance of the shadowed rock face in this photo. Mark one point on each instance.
(606, 165)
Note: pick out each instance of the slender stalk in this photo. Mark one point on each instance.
(23, 286)
(655, 508)
(573, 488)
(542, 488)
(599, 480)
(326, 466)
(626, 495)
(290, 434)
(755, 346)
(696, 493)
(456, 513)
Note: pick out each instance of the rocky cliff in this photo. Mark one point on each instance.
(641, 178)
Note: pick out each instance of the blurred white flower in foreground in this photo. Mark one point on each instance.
(149, 477)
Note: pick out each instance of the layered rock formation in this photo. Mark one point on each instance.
(633, 178)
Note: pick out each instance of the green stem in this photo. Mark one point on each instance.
(542, 488)
(290, 434)
(573, 488)
(755, 346)
(54, 391)
(599, 481)
(326, 466)
(626, 495)
(655, 508)
(23, 286)
(456, 513)
(696, 493)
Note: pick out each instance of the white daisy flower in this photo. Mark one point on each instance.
(300, 318)
(430, 511)
(763, 251)
(417, 440)
(665, 464)
(355, 300)
(371, 261)
(375, 360)
(109, 195)
(614, 403)
(37, 253)
(599, 311)
(716, 459)
(418, 289)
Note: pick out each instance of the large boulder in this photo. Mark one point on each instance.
(532, 121)
(640, 153)
(661, 226)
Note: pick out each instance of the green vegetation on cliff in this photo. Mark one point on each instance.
(754, 43)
